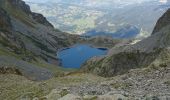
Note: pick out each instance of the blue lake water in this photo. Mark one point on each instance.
(75, 56)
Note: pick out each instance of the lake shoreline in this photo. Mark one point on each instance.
(77, 54)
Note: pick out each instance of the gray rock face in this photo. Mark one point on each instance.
(24, 68)
(19, 4)
(162, 22)
(120, 63)
(41, 19)
(5, 22)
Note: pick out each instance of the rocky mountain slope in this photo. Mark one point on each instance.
(162, 22)
(139, 55)
(28, 41)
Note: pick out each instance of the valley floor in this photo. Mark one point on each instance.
(152, 83)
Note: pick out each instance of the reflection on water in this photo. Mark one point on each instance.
(75, 56)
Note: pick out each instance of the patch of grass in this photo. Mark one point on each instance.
(156, 67)
(39, 62)
(92, 98)
(16, 87)
(163, 65)
(8, 53)
(8, 48)
(64, 92)
(121, 85)
(116, 85)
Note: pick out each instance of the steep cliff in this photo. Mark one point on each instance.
(41, 19)
(162, 22)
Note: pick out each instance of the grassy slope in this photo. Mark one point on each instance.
(14, 87)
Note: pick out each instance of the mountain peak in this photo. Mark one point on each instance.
(162, 22)
(19, 4)
(41, 19)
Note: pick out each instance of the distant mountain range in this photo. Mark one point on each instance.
(108, 16)
(125, 32)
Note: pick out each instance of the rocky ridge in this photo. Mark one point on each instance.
(162, 22)
(139, 55)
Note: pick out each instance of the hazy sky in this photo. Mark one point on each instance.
(42, 1)
(78, 0)
(37, 1)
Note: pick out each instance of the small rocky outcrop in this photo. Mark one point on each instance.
(41, 19)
